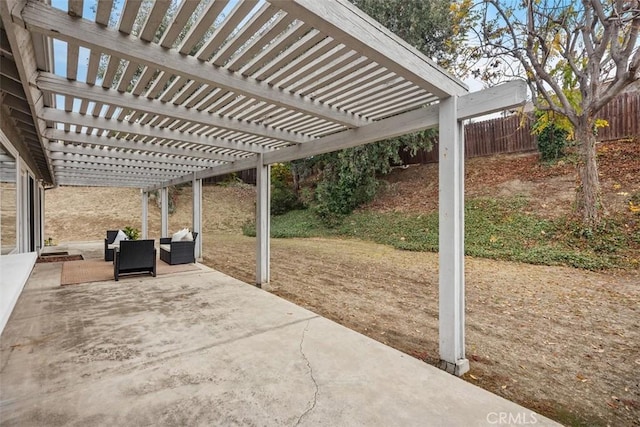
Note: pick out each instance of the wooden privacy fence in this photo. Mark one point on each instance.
(247, 176)
(513, 134)
(496, 136)
(503, 135)
(623, 115)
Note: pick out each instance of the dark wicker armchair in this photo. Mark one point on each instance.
(181, 252)
(108, 253)
(135, 256)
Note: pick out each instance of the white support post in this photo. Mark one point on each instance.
(145, 215)
(197, 216)
(263, 223)
(451, 239)
(164, 212)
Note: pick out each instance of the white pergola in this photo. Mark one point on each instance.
(163, 94)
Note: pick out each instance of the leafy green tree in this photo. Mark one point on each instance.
(436, 28)
(576, 57)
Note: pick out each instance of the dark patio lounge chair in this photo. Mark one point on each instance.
(180, 252)
(108, 253)
(135, 256)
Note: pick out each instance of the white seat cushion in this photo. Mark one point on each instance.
(166, 247)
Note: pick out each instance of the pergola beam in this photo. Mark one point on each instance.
(105, 169)
(237, 166)
(82, 120)
(9, 68)
(60, 151)
(413, 121)
(51, 22)
(103, 141)
(16, 104)
(507, 95)
(12, 87)
(152, 166)
(498, 98)
(80, 182)
(115, 181)
(136, 180)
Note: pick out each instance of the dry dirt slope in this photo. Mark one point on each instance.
(83, 213)
(550, 189)
(561, 341)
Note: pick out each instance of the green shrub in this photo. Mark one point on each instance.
(552, 143)
(249, 228)
(347, 182)
(552, 130)
(283, 195)
(283, 199)
(348, 178)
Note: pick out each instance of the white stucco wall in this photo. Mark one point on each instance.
(14, 273)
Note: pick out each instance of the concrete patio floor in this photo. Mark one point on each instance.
(201, 348)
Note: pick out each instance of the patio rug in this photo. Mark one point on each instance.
(97, 270)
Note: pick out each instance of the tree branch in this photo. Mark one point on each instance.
(542, 74)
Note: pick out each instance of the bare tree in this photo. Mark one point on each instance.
(576, 57)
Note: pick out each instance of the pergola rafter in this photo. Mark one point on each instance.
(157, 100)
(91, 169)
(51, 22)
(54, 84)
(114, 128)
(60, 150)
(142, 146)
(265, 79)
(349, 25)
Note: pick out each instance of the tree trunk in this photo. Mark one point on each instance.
(588, 194)
(295, 174)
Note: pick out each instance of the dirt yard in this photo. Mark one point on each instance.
(561, 341)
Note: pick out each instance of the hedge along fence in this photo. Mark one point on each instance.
(512, 134)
